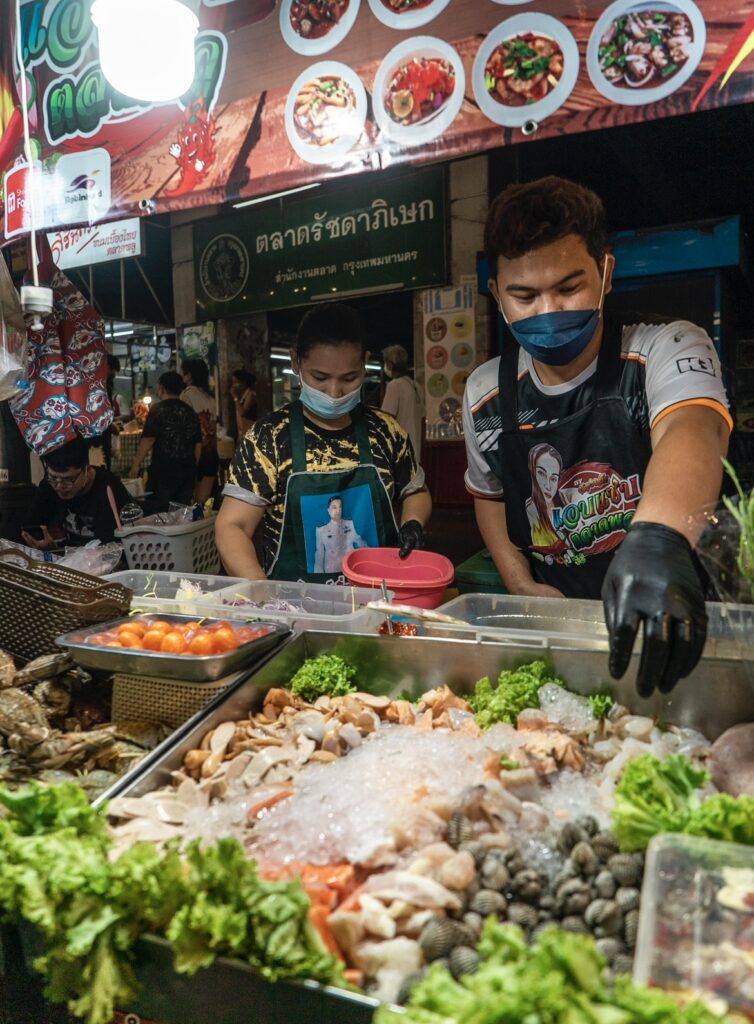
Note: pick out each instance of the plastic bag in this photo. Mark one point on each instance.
(94, 558)
(13, 348)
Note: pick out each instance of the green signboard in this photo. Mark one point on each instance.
(364, 236)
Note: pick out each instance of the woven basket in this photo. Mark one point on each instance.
(43, 600)
(166, 701)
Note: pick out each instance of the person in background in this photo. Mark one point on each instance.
(196, 393)
(244, 400)
(403, 396)
(173, 434)
(76, 502)
(327, 443)
(623, 417)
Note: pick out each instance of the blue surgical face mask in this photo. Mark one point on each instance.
(326, 407)
(560, 337)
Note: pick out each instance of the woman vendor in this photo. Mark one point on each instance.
(321, 465)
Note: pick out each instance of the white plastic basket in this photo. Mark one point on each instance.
(187, 547)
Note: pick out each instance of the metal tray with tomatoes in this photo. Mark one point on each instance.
(180, 647)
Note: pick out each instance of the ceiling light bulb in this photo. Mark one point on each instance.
(146, 47)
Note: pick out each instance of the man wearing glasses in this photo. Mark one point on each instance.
(76, 502)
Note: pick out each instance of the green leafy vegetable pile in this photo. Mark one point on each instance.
(89, 911)
(518, 689)
(743, 513)
(662, 796)
(557, 980)
(326, 674)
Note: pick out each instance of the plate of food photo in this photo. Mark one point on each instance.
(418, 90)
(525, 69)
(316, 26)
(325, 112)
(407, 14)
(641, 53)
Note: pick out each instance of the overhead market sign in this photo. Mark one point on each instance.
(81, 247)
(353, 241)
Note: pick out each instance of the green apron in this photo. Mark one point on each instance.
(313, 540)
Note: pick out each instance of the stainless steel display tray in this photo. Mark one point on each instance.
(719, 693)
(186, 668)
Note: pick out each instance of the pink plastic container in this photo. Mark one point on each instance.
(419, 580)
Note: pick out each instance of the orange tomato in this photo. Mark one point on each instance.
(222, 624)
(134, 626)
(203, 643)
(173, 643)
(130, 640)
(225, 639)
(112, 643)
(159, 624)
(153, 639)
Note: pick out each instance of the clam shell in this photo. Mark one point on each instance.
(604, 845)
(627, 898)
(574, 924)
(463, 960)
(459, 829)
(589, 824)
(527, 884)
(523, 915)
(488, 901)
(477, 850)
(625, 869)
(584, 857)
(623, 963)
(605, 885)
(406, 985)
(473, 922)
(494, 873)
(570, 835)
(631, 928)
(599, 911)
(439, 935)
(610, 948)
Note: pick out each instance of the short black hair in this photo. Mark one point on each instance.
(199, 372)
(172, 382)
(335, 497)
(249, 379)
(331, 323)
(113, 363)
(528, 216)
(74, 455)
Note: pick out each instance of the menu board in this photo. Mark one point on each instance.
(449, 356)
(288, 93)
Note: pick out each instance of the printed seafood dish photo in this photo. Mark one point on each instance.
(316, 18)
(406, 14)
(324, 110)
(523, 69)
(419, 89)
(645, 48)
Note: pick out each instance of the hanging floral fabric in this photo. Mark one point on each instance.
(65, 392)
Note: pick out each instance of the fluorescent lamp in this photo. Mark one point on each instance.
(275, 195)
(361, 291)
(146, 47)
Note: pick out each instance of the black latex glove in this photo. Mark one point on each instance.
(410, 536)
(653, 579)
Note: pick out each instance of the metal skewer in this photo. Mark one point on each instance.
(388, 620)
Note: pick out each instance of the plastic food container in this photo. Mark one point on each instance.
(158, 591)
(312, 605)
(696, 930)
(187, 667)
(419, 580)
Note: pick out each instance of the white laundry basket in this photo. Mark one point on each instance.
(187, 547)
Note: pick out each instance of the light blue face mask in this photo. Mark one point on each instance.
(560, 337)
(326, 407)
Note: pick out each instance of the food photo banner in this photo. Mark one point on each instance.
(287, 93)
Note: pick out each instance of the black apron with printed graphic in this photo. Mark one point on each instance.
(312, 545)
(571, 488)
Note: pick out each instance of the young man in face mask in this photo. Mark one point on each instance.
(631, 410)
(291, 463)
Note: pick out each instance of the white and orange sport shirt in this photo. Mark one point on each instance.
(668, 364)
